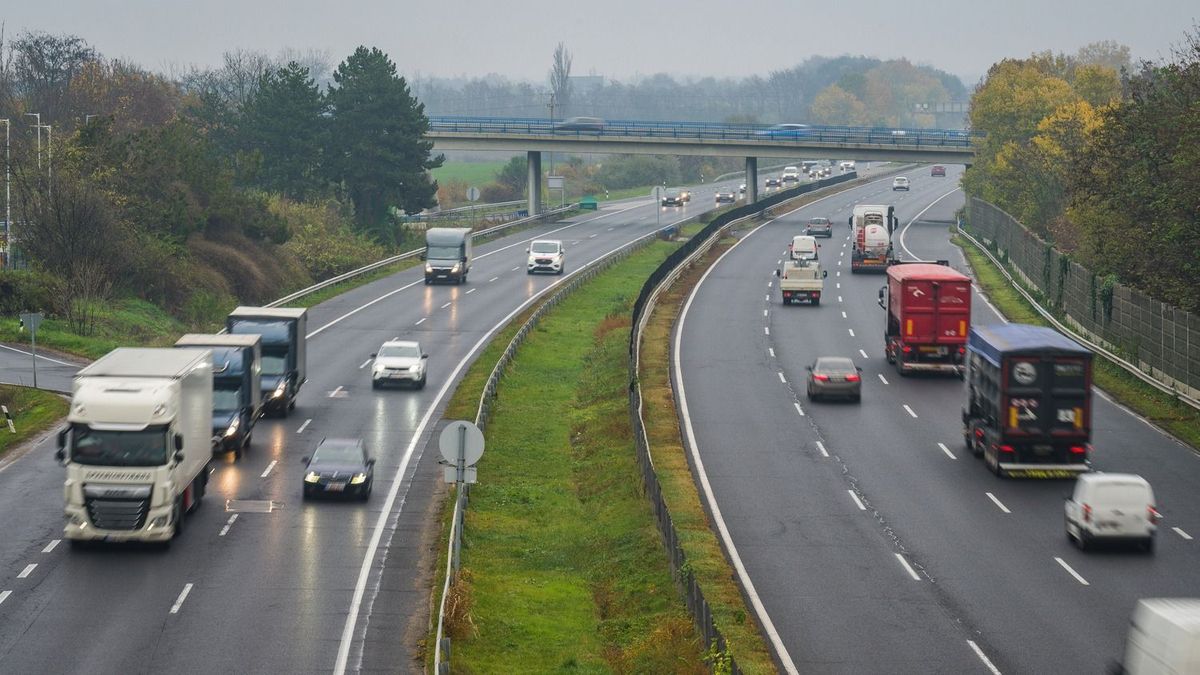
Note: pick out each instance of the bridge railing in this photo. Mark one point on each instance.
(891, 136)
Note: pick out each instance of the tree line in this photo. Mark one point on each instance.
(1100, 156)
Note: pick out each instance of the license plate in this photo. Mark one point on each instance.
(335, 487)
(1043, 449)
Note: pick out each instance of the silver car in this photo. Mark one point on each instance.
(833, 377)
(399, 362)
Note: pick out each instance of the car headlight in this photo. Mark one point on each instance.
(428, 268)
(416, 367)
(160, 521)
(358, 478)
(233, 427)
(378, 368)
(456, 267)
(312, 477)
(280, 389)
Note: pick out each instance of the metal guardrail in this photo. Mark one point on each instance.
(332, 281)
(1066, 330)
(898, 137)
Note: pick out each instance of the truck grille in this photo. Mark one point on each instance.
(117, 507)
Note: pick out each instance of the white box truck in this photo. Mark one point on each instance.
(137, 444)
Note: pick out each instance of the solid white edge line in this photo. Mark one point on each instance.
(4, 596)
(910, 411)
(1183, 534)
(270, 466)
(782, 378)
(27, 571)
(471, 291)
(187, 588)
(857, 501)
(851, 330)
(420, 321)
(946, 450)
(364, 572)
(904, 231)
(44, 358)
(771, 351)
(767, 330)
(1072, 572)
(907, 568)
(997, 502)
(492, 279)
(55, 542)
(983, 657)
(821, 447)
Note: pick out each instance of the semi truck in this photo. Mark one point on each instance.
(871, 228)
(447, 253)
(928, 312)
(237, 388)
(1029, 401)
(801, 281)
(137, 444)
(284, 333)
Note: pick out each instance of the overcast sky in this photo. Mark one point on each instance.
(621, 39)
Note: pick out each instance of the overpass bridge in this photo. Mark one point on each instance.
(534, 136)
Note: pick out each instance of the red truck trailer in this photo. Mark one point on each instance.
(928, 309)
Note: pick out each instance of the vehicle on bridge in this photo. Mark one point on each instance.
(1029, 401)
(447, 254)
(871, 228)
(284, 347)
(801, 281)
(137, 444)
(928, 313)
(237, 387)
(580, 124)
(785, 131)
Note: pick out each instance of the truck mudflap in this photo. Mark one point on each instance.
(1017, 470)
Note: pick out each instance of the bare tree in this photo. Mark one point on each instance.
(44, 66)
(560, 79)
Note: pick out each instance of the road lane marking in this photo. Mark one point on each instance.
(779, 262)
(771, 351)
(882, 378)
(335, 392)
(592, 236)
(769, 284)
(781, 379)
(768, 297)
(851, 331)
(843, 315)
(983, 657)
(225, 530)
(764, 312)
(187, 588)
(821, 447)
(946, 450)
(270, 466)
(839, 298)
(4, 596)
(839, 284)
(767, 330)
(910, 411)
(420, 321)
(364, 364)
(447, 304)
(1185, 535)
(799, 409)
(611, 229)
(907, 568)
(492, 279)
(27, 571)
(838, 274)
(304, 426)
(515, 269)
(55, 542)
(864, 354)
(857, 501)
(44, 358)
(471, 291)
(904, 231)
(1073, 573)
(997, 502)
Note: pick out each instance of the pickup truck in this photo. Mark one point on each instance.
(802, 280)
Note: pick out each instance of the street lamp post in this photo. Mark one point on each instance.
(49, 159)
(38, 126)
(4, 250)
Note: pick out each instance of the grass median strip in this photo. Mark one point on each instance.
(562, 562)
(32, 410)
(1180, 419)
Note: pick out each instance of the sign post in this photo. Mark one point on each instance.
(658, 193)
(461, 444)
(32, 320)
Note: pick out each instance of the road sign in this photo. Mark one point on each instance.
(473, 194)
(555, 182)
(658, 192)
(31, 321)
(461, 444)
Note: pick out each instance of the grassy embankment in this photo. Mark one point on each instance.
(33, 411)
(1179, 419)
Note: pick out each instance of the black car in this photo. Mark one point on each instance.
(819, 227)
(339, 467)
(774, 181)
(673, 197)
(726, 195)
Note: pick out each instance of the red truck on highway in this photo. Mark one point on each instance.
(928, 309)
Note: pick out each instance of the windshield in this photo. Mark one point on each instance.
(226, 399)
(339, 454)
(399, 351)
(147, 447)
(274, 364)
(278, 332)
(545, 247)
(227, 360)
(443, 252)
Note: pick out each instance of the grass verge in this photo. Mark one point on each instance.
(563, 564)
(33, 412)
(474, 174)
(1180, 419)
(118, 324)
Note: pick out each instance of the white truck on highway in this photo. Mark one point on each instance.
(871, 228)
(137, 444)
(802, 280)
(791, 174)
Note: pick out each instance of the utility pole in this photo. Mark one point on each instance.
(551, 153)
(49, 161)
(38, 126)
(4, 250)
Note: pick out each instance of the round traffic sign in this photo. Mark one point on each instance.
(473, 194)
(465, 434)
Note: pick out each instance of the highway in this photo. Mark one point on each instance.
(261, 581)
(876, 543)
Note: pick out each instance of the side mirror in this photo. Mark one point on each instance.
(371, 462)
(306, 459)
(178, 442)
(422, 255)
(424, 356)
(527, 249)
(882, 291)
(178, 457)
(373, 354)
(824, 274)
(62, 439)
(60, 455)
(808, 368)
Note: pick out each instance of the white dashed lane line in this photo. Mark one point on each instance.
(781, 378)
(27, 571)
(799, 410)
(266, 472)
(228, 524)
(50, 547)
(1072, 572)
(764, 312)
(882, 378)
(857, 501)
(187, 588)
(335, 392)
(843, 315)
(447, 304)
(492, 279)
(304, 426)
(983, 657)
(515, 269)
(946, 450)
(420, 321)
(997, 502)
(767, 330)
(851, 331)
(4, 596)
(1185, 535)
(839, 298)
(908, 568)
(864, 354)
(471, 291)
(910, 411)
(364, 364)
(771, 351)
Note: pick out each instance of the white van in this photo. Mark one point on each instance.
(1114, 507)
(1164, 637)
(803, 247)
(790, 174)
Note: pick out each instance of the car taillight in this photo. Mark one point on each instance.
(1087, 513)
(821, 378)
(1006, 448)
(979, 433)
(1153, 515)
(1078, 449)
(852, 378)
(906, 349)
(962, 350)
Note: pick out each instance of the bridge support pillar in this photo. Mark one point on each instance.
(751, 180)
(535, 182)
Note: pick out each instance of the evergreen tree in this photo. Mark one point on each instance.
(285, 122)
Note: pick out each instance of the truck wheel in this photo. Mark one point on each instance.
(816, 301)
